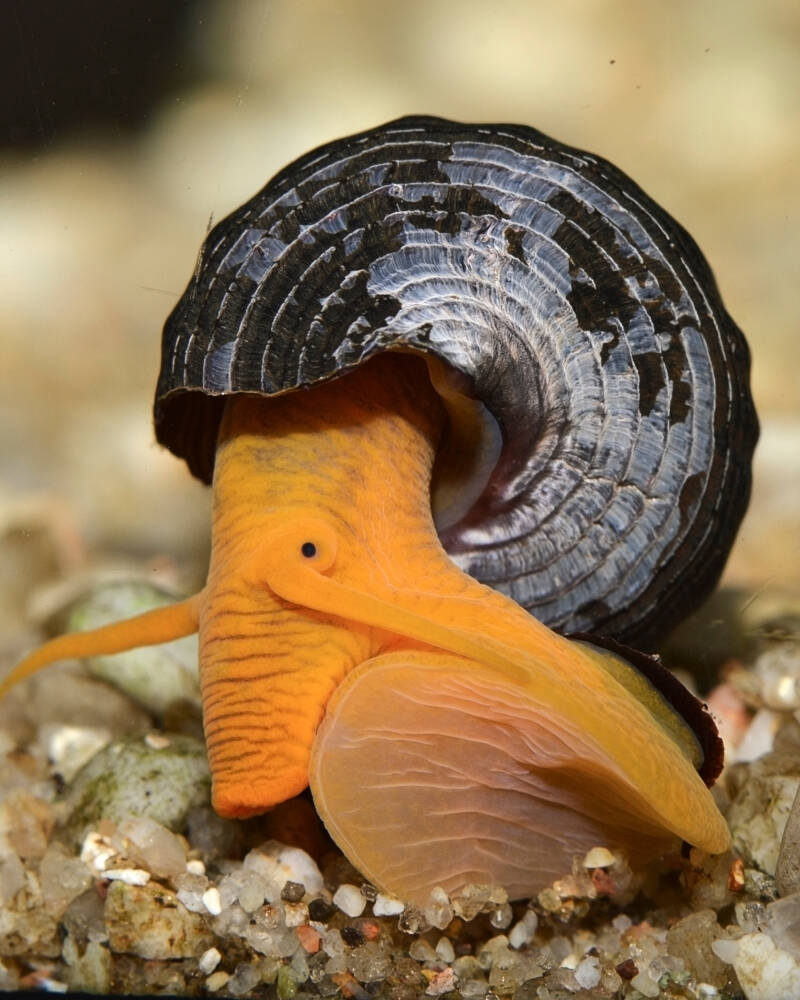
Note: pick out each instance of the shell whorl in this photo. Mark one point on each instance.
(585, 318)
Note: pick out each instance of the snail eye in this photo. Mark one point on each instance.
(308, 549)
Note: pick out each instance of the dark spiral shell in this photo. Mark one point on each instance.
(585, 317)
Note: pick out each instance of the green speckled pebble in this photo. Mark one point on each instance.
(154, 676)
(287, 984)
(132, 778)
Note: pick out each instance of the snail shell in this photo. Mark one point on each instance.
(583, 317)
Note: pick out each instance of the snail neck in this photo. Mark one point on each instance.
(359, 449)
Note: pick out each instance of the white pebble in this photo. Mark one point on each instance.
(587, 972)
(133, 876)
(208, 961)
(522, 932)
(150, 846)
(332, 943)
(725, 949)
(759, 737)
(70, 747)
(195, 867)
(560, 948)
(387, 906)
(422, 951)
(278, 864)
(782, 692)
(598, 857)
(778, 670)
(252, 891)
(192, 900)
(438, 910)
(212, 902)
(350, 900)
(52, 985)
(96, 851)
(445, 950)
(300, 867)
(765, 971)
(645, 984)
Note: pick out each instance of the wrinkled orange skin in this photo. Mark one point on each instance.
(268, 667)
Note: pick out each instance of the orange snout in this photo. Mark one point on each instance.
(267, 670)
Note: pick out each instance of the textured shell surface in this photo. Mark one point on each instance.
(583, 316)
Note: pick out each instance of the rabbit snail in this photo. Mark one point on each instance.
(461, 391)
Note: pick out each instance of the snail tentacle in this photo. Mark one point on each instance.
(148, 629)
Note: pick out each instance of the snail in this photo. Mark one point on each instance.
(460, 391)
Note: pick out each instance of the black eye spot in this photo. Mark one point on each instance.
(308, 549)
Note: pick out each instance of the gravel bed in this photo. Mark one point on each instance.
(117, 877)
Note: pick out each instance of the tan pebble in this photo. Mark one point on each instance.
(216, 981)
(149, 922)
(156, 741)
(549, 900)
(295, 914)
(348, 984)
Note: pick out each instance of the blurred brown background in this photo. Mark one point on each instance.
(127, 126)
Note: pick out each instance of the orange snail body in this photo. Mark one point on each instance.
(330, 595)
